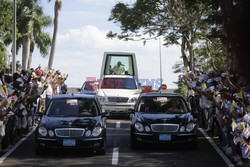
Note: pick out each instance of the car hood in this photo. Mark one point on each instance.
(163, 118)
(119, 92)
(73, 122)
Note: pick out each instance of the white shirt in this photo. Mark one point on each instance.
(49, 90)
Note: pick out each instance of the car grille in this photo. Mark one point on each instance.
(164, 127)
(118, 99)
(69, 132)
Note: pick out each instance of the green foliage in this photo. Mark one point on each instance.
(5, 30)
(3, 64)
(32, 21)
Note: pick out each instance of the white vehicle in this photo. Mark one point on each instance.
(119, 87)
(119, 63)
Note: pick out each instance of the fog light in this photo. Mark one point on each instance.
(139, 138)
(51, 133)
(182, 129)
(147, 129)
(96, 144)
(88, 133)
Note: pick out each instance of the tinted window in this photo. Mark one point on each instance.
(162, 105)
(90, 86)
(118, 83)
(119, 65)
(72, 107)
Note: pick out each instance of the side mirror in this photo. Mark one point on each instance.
(79, 89)
(104, 113)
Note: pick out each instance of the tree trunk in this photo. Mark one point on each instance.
(191, 55)
(184, 56)
(25, 52)
(236, 25)
(53, 46)
(32, 47)
(30, 60)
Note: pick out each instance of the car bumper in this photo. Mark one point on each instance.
(79, 143)
(155, 138)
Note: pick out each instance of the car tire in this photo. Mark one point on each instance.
(133, 143)
(39, 150)
(102, 149)
(193, 145)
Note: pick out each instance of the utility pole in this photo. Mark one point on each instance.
(160, 60)
(14, 39)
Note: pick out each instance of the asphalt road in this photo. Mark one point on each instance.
(119, 153)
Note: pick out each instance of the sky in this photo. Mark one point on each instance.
(81, 43)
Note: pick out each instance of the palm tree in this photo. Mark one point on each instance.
(40, 38)
(5, 30)
(30, 24)
(58, 7)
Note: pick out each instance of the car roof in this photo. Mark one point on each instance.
(70, 96)
(156, 94)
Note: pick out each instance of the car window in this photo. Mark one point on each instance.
(72, 107)
(90, 86)
(162, 105)
(119, 65)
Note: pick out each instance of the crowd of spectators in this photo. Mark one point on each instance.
(22, 97)
(222, 100)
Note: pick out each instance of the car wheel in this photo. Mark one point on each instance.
(193, 145)
(39, 150)
(102, 149)
(133, 143)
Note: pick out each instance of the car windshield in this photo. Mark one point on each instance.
(72, 108)
(118, 83)
(90, 86)
(119, 65)
(162, 105)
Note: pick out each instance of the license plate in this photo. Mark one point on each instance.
(165, 137)
(69, 142)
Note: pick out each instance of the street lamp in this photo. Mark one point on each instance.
(14, 39)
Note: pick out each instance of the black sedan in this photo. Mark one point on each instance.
(162, 118)
(72, 121)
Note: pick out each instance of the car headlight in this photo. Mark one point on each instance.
(139, 127)
(190, 127)
(133, 100)
(97, 131)
(88, 133)
(147, 128)
(51, 133)
(102, 98)
(182, 129)
(42, 131)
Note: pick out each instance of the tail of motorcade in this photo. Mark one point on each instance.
(119, 88)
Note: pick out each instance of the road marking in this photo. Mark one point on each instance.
(15, 146)
(223, 156)
(115, 156)
(118, 124)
